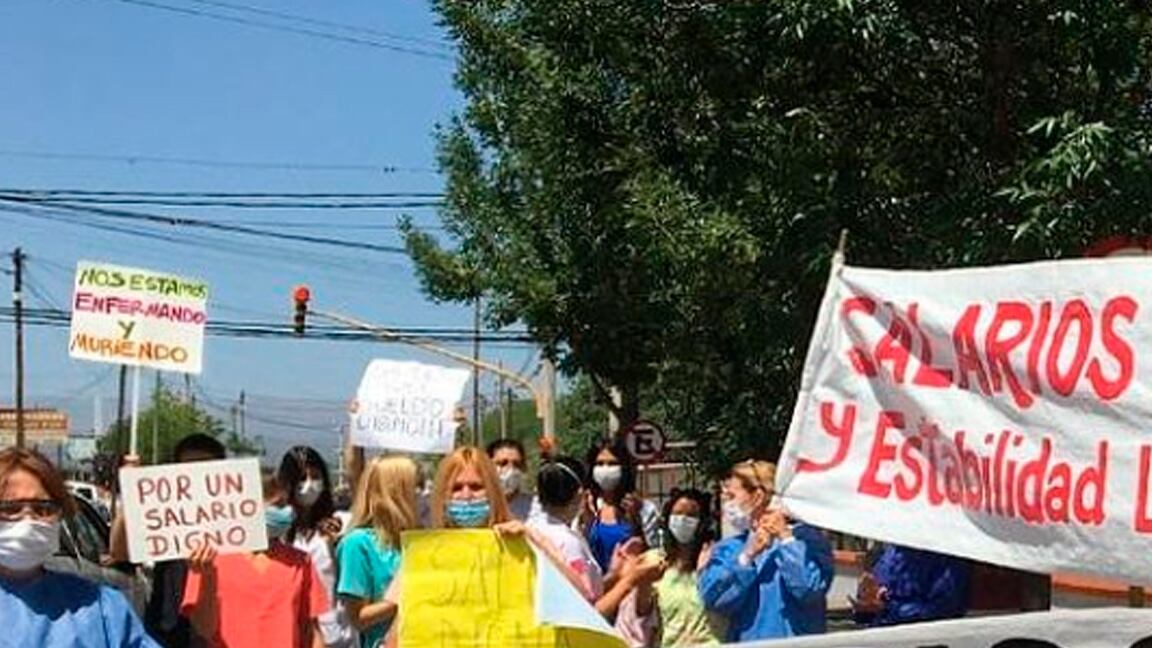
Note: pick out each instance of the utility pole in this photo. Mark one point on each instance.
(18, 304)
(122, 438)
(476, 373)
(243, 415)
(156, 421)
(503, 406)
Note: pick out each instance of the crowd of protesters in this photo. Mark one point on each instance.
(662, 577)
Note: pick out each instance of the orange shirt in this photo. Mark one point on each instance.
(269, 605)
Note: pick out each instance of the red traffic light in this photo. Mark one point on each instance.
(301, 293)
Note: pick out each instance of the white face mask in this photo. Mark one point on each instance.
(26, 544)
(737, 517)
(309, 491)
(683, 528)
(607, 477)
(511, 478)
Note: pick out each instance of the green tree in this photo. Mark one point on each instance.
(655, 188)
(173, 418)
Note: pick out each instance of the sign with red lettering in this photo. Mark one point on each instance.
(138, 317)
(993, 413)
(170, 510)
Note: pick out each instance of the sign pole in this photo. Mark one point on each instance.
(133, 442)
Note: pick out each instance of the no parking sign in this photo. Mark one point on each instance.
(645, 441)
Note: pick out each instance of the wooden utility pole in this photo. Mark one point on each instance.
(476, 373)
(18, 304)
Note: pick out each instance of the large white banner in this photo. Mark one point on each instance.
(138, 317)
(1001, 414)
(407, 406)
(1103, 628)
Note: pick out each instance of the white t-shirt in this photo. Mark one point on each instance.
(335, 627)
(572, 547)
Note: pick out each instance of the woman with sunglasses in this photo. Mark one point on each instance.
(42, 608)
(771, 579)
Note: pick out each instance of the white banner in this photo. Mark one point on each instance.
(407, 406)
(1103, 628)
(170, 510)
(138, 317)
(994, 413)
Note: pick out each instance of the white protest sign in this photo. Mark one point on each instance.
(1102, 628)
(170, 510)
(999, 414)
(138, 317)
(407, 406)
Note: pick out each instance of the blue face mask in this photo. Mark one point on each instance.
(278, 519)
(469, 514)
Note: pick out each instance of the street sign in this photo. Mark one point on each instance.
(645, 440)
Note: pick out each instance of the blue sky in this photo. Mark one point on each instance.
(108, 77)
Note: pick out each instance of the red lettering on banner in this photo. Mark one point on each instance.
(927, 375)
(859, 358)
(1075, 312)
(1008, 347)
(998, 347)
(1117, 346)
(995, 478)
(882, 452)
(841, 430)
(1143, 522)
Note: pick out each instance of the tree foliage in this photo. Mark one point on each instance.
(173, 418)
(654, 187)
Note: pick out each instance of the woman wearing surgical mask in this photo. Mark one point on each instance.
(687, 541)
(42, 608)
(369, 554)
(509, 459)
(613, 512)
(265, 598)
(771, 578)
(314, 531)
(467, 493)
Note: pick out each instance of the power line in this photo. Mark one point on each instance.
(162, 202)
(183, 221)
(213, 164)
(300, 31)
(438, 44)
(57, 193)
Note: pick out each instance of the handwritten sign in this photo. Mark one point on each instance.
(469, 588)
(1104, 628)
(994, 413)
(407, 406)
(172, 509)
(138, 317)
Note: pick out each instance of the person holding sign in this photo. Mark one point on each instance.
(42, 608)
(369, 554)
(908, 585)
(771, 579)
(267, 598)
(315, 530)
(162, 616)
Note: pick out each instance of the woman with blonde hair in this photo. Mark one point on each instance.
(467, 494)
(769, 580)
(369, 554)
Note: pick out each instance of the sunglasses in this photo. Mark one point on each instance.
(43, 509)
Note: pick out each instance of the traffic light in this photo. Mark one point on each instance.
(300, 295)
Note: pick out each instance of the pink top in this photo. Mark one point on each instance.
(271, 606)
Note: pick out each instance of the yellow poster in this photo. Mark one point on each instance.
(471, 589)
